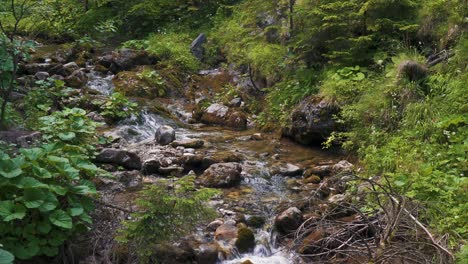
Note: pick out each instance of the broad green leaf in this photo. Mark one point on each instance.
(32, 153)
(58, 189)
(6, 257)
(50, 203)
(33, 198)
(10, 168)
(67, 136)
(19, 212)
(76, 211)
(61, 219)
(41, 172)
(44, 227)
(6, 208)
(29, 182)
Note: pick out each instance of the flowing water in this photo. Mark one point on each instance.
(261, 190)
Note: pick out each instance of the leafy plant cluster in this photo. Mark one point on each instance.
(46, 191)
(165, 213)
(118, 107)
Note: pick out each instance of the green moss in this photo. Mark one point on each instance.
(245, 240)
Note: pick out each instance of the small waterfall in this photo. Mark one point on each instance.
(100, 82)
(140, 127)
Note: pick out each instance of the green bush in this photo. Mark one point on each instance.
(46, 191)
(173, 49)
(165, 214)
(118, 107)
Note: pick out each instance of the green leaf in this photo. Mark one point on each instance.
(50, 203)
(10, 168)
(41, 172)
(10, 211)
(61, 219)
(44, 227)
(33, 198)
(67, 136)
(32, 153)
(6, 257)
(29, 182)
(76, 211)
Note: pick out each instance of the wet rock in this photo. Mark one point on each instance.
(126, 159)
(214, 225)
(171, 171)
(222, 175)
(245, 241)
(207, 253)
(24, 139)
(188, 143)
(150, 167)
(290, 170)
(127, 59)
(70, 67)
(15, 96)
(196, 47)
(314, 179)
(327, 170)
(77, 79)
(180, 253)
(312, 121)
(255, 221)
(165, 135)
(131, 179)
(33, 68)
(41, 75)
(96, 117)
(289, 220)
(218, 114)
(236, 102)
(226, 232)
(257, 136)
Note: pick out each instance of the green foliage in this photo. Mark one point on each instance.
(6, 257)
(165, 213)
(45, 191)
(139, 44)
(72, 127)
(173, 49)
(345, 84)
(118, 107)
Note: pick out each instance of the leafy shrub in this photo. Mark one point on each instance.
(173, 49)
(165, 214)
(118, 107)
(6, 257)
(45, 191)
(139, 44)
(72, 127)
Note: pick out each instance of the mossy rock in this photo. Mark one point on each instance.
(245, 239)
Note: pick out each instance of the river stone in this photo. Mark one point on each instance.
(131, 179)
(214, 225)
(70, 67)
(245, 241)
(236, 102)
(150, 166)
(312, 121)
(207, 253)
(188, 143)
(290, 170)
(126, 159)
(77, 79)
(222, 175)
(41, 75)
(196, 47)
(289, 220)
(165, 135)
(127, 59)
(226, 232)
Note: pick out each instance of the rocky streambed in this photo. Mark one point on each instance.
(270, 186)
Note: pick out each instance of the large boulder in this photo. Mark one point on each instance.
(165, 135)
(197, 46)
(312, 121)
(222, 175)
(126, 159)
(126, 59)
(77, 79)
(289, 220)
(218, 114)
